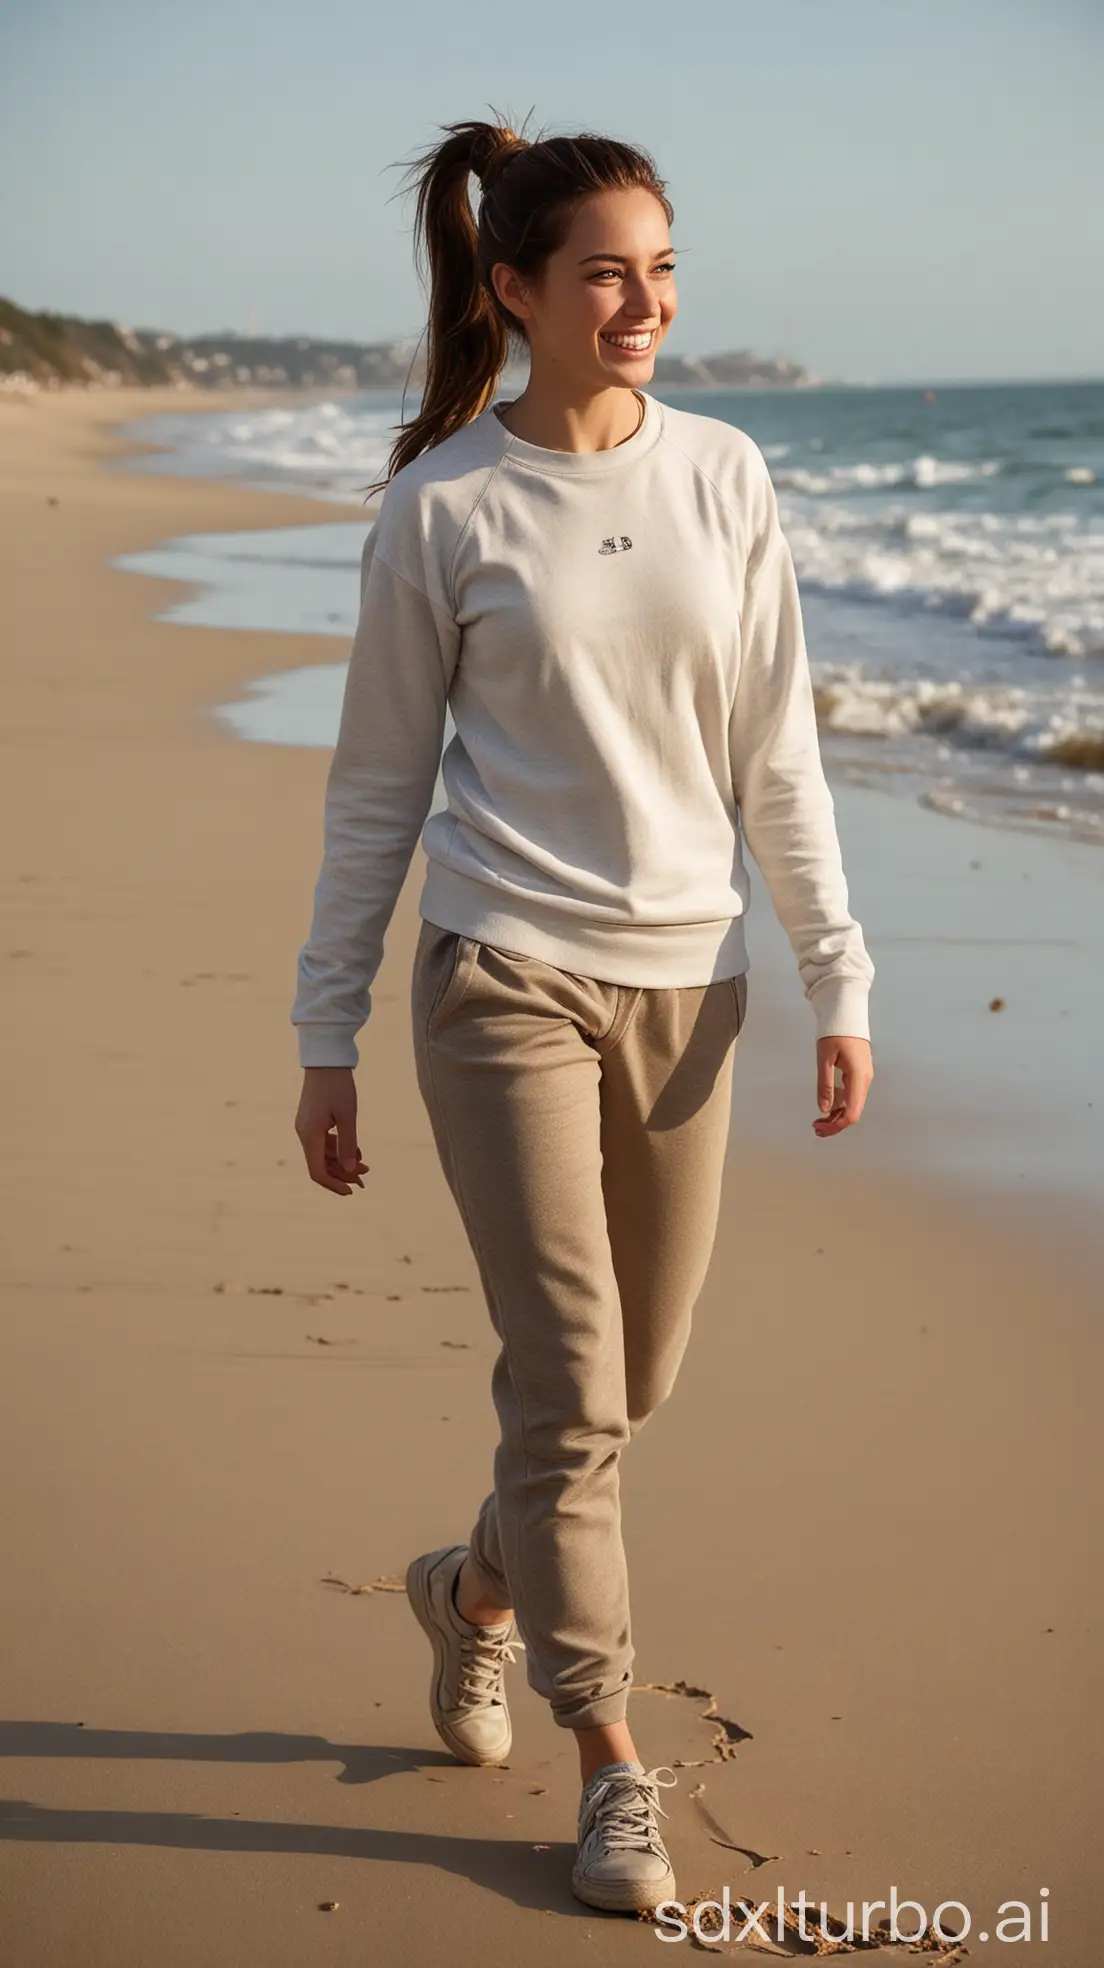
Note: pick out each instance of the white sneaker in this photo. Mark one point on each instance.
(466, 1698)
(622, 1862)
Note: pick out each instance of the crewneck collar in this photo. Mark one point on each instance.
(576, 464)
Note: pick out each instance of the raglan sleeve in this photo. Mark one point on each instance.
(378, 793)
(785, 805)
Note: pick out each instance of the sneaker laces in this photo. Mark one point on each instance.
(483, 1656)
(622, 1810)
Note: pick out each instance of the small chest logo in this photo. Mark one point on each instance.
(619, 543)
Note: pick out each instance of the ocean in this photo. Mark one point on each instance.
(949, 546)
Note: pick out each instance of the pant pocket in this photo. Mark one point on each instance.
(456, 975)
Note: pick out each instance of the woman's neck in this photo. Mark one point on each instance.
(600, 426)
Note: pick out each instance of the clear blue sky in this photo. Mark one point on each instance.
(881, 189)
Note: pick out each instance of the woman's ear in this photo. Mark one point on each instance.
(511, 290)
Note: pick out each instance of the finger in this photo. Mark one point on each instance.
(348, 1152)
(856, 1101)
(826, 1077)
(338, 1174)
(856, 1084)
(314, 1148)
(338, 1164)
(833, 1122)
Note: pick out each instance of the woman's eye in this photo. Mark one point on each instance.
(665, 266)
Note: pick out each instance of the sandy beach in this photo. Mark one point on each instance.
(860, 1533)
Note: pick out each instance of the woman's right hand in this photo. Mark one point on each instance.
(326, 1126)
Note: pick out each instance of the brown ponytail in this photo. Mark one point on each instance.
(529, 195)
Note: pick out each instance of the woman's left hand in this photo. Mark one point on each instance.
(840, 1107)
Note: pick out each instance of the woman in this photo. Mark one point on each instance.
(598, 586)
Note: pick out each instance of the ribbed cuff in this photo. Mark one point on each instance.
(327, 1045)
(842, 1007)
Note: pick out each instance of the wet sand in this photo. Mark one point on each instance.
(862, 1524)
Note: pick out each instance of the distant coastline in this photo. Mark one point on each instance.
(54, 351)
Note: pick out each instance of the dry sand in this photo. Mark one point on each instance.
(864, 1522)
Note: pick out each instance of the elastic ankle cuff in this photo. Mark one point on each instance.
(597, 1714)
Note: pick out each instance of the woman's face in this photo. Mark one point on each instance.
(613, 277)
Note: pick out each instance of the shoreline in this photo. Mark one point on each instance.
(870, 1483)
(907, 697)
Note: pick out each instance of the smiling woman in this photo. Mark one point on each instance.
(596, 332)
(598, 587)
(550, 269)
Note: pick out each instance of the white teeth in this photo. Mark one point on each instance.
(629, 341)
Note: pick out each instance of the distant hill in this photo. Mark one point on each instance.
(47, 351)
(735, 369)
(51, 349)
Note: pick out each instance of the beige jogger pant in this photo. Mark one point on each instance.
(581, 1127)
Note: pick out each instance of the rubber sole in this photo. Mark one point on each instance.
(417, 1592)
(623, 1895)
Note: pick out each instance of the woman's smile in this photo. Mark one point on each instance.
(632, 344)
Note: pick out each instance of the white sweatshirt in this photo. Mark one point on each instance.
(619, 638)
